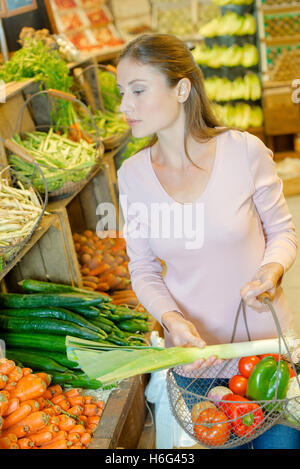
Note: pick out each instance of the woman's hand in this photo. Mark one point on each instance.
(183, 333)
(265, 281)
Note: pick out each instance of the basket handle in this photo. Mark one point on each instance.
(264, 296)
(62, 94)
(18, 150)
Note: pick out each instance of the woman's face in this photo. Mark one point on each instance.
(148, 102)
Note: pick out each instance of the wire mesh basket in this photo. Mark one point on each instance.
(62, 181)
(103, 97)
(215, 417)
(12, 179)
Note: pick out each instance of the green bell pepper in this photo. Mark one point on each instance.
(262, 382)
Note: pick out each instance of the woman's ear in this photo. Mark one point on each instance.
(183, 90)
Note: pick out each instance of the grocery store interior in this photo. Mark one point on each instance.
(63, 139)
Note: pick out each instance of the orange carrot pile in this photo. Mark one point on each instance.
(35, 415)
(104, 266)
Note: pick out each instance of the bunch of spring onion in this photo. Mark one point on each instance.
(108, 124)
(62, 159)
(110, 364)
(19, 211)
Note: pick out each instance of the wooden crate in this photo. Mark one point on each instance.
(281, 115)
(51, 257)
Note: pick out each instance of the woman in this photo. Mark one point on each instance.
(195, 173)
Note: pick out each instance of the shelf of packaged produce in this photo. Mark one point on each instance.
(281, 40)
(46, 223)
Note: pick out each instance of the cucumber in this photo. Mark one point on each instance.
(74, 380)
(46, 326)
(37, 300)
(60, 358)
(56, 313)
(133, 325)
(34, 360)
(88, 312)
(37, 286)
(44, 342)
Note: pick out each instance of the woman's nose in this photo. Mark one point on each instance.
(125, 105)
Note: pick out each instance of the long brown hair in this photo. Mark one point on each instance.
(175, 61)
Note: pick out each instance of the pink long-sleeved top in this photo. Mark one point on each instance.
(241, 222)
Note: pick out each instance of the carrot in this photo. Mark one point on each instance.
(100, 404)
(85, 439)
(77, 429)
(78, 446)
(47, 394)
(64, 405)
(52, 428)
(55, 389)
(3, 404)
(66, 423)
(76, 410)
(1, 422)
(17, 416)
(33, 404)
(72, 393)
(42, 402)
(5, 443)
(54, 420)
(58, 398)
(93, 420)
(77, 400)
(120, 271)
(89, 284)
(50, 411)
(90, 428)
(6, 366)
(89, 400)
(15, 375)
(126, 301)
(85, 271)
(89, 278)
(89, 409)
(45, 377)
(101, 269)
(83, 419)
(34, 422)
(13, 404)
(103, 287)
(29, 387)
(41, 438)
(3, 381)
(74, 437)
(59, 444)
(26, 371)
(25, 443)
(10, 386)
(57, 409)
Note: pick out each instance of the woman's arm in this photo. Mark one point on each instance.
(278, 227)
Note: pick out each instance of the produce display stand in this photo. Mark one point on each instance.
(50, 255)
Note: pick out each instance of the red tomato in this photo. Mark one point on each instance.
(238, 385)
(212, 427)
(246, 365)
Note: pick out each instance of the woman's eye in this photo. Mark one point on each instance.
(138, 91)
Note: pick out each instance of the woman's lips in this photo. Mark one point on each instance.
(132, 122)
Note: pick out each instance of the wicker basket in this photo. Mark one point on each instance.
(8, 253)
(215, 426)
(73, 180)
(92, 89)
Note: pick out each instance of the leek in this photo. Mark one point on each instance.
(120, 363)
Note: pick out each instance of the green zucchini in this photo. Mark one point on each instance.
(37, 286)
(59, 357)
(45, 342)
(37, 300)
(34, 360)
(46, 326)
(56, 313)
